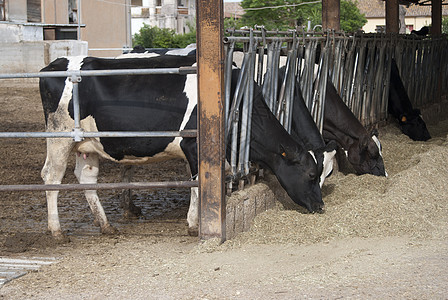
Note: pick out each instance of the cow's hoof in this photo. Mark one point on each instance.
(193, 231)
(135, 211)
(110, 230)
(96, 223)
(132, 215)
(59, 237)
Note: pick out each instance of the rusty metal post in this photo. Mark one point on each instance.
(211, 150)
(436, 29)
(331, 14)
(436, 17)
(392, 16)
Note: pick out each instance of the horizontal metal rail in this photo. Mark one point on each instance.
(82, 73)
(100, 186)
(82, 134)
(78, 134)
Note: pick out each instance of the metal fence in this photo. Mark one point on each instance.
(78, 134)
(359, 67)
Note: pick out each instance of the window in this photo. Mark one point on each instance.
(2, 10)
(33, 11)
(72, 12)
(136, 2)
(158, 2)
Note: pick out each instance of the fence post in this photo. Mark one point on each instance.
(211, 149)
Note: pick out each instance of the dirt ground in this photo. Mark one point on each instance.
(380, 238)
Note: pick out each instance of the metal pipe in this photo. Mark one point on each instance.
(249, 123)
(99, 186)
(82, 73)
(228, 81)
(111, 134)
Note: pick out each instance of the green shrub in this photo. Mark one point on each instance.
(155, 37)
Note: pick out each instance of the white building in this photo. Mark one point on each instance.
(172, 14)
(414, 17)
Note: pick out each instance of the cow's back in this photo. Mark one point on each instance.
(122, 102)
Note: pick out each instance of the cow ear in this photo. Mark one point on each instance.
(364, 142)
(331, 145)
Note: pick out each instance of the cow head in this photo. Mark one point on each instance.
(296, 171)
(365, 155)
(324, 159)
(413, 126)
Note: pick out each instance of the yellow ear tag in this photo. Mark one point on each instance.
(284, 154)
(403, 119)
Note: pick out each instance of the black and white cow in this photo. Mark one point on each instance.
(152, 103)
(305, 132)
(422, 32)
(400, 107)
(362, 149)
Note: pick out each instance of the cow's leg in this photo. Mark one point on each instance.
(189, 148)
(58, 151)
(193, 213)
(130, 211)
(86, 170)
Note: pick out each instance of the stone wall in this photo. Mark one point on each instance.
(31, 56)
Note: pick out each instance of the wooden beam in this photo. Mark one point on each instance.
(436, 17)
(211, 150)
(392, 16)
(331, 15)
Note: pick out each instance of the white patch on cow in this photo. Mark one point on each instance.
(312, 154)
(182, 52)
(378, 144)
(328, 165)
(137, 55)
(61, 116)
(173, 148)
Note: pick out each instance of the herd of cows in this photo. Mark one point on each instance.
(300, 160)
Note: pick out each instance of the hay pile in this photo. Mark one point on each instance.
(412, 201)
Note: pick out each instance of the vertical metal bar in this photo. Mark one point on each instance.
(75, 99)
(211, 148)
(290, 89)
(386, 82)
(77, 137)
(274, 74)
(79, 20)
(250, 106)
(228, 80)
(348, 72)
(244, 113)
(267, 79)
(260, 64)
